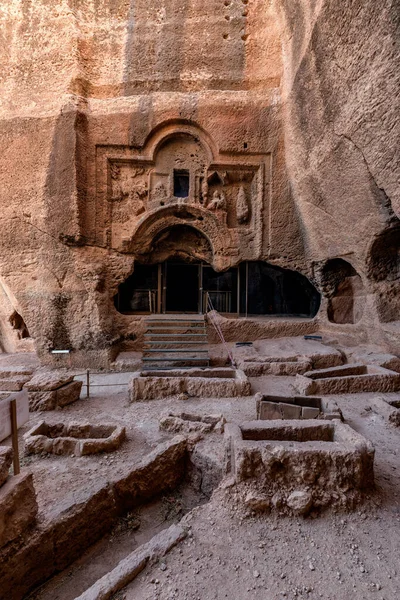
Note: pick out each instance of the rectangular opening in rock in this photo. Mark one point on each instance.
(181, 183)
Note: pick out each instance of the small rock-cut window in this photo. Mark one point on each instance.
(181, 184)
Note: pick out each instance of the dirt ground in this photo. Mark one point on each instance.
(229, 553)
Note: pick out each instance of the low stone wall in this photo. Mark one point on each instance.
(77, 439)
(84, 517)
(288, 368)
(18, 508)
(293, 467)
(210, 383)
(348, 379)
(295, 407)
(249, 329)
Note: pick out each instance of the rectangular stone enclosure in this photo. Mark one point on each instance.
(295, 407)
(205, 383)
(326, 462)
(348, 379)
(73, 438)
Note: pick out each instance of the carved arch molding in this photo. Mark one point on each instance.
(179, 177)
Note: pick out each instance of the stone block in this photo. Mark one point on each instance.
(348, 379)
(39, 401)
(48, 381)
(290, 411)
(53, 399)
(68, 393)
(25, 566)
(300, 464)
(6, 455)
(18, 507)
(309, 412)
(13, 384)
(160, 471)
(74, 438)
(206, 383)
(270, 411)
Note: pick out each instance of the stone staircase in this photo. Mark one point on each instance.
(175, 341)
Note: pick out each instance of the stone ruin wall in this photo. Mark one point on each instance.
(307, 88)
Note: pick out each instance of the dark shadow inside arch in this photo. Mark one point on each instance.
(186, 285)
(384, 272)
(343, 287)
(275, 291)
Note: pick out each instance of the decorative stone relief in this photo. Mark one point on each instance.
(218, 201)
(182, 173)
(242, 207)
(129, 184)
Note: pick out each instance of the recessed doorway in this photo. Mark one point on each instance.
(181, 287)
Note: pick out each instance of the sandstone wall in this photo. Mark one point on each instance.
(310, 85)
(341, 96)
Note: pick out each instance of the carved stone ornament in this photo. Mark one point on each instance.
(218, 201)
(242, 206)
(129, 184)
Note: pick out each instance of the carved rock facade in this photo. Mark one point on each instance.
(224, 134)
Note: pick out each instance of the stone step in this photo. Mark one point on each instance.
(179, 334)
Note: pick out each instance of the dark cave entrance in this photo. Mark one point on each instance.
(251, 289)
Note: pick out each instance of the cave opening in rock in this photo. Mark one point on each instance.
(344, 289)
(250, 289)
(18, 323)
(384, 272)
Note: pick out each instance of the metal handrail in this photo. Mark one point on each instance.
(215, 324)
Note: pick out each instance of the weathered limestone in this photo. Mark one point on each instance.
(13, 384)
(18, 507)
(348, 379)
(295, 467)
(188, 423)
(223, 92)
(134, 563)
(13, 378)
(295, 407)
(78, 439)
(161, 470)
(258, 368)
(6, 456)
(51, 390)
(388, 410)
(206, 383)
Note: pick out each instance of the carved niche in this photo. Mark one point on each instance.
(180, 169)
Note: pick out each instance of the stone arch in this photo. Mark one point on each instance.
(383, 269)
(175, 127)
(343, 287)
(206, 223)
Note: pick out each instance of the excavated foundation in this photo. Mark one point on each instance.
(295, 407)
(294, 466)
(206, 383)
(348, 379)
(77, 439)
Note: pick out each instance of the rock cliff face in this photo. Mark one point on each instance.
(281, 115)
